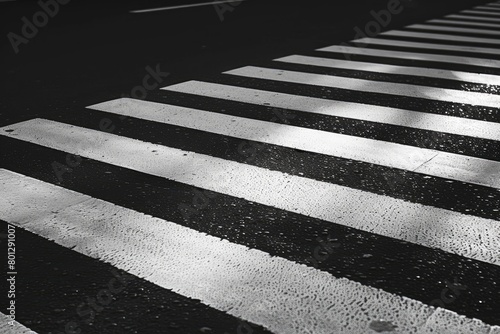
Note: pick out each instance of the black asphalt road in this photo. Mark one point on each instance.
(92, 52)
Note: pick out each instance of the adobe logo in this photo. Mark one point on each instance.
(29, 30)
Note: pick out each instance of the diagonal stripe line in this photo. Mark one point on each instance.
(211, 3)
(277, 293)
(480, 12)
(453, 29)
(413, 56)
(468, 236)
(473, 18)
(420, 45)
(381, 87)
(306, 139)
(466, 23)
(483, 79)
(380, 114)
(488, 8)
(443, 37)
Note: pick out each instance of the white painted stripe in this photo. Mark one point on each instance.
(333, 144)
(466, 23)
(442, 37)
(311, 140)
(8, 326)
(373, 113)
(394, 69)
(413, 56)
(454, 29)
(279, 294)
(362, 42)
(211, 3)
(488, 8)
(465, 235)
(480, 12)
(362, 85)
(472, 17)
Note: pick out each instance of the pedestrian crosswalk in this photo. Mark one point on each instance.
(351, 189)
